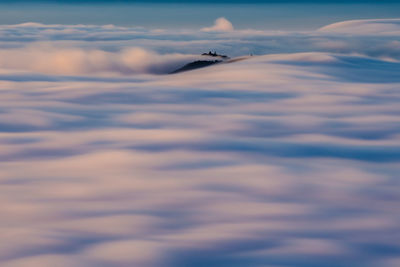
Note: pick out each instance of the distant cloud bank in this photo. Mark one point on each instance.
(50, 59)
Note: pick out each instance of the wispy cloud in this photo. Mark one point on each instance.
(365, 27)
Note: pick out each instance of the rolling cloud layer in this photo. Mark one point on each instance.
(287, 158)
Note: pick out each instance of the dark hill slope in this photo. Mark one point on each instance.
(196, 65)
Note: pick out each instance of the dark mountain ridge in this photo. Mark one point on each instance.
(202, 63)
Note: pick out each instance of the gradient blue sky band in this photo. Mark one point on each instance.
(208, 1)
(269, 15)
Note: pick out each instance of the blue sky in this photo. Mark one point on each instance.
(207, 1)
(293, 15)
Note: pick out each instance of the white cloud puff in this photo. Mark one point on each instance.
(220, 25)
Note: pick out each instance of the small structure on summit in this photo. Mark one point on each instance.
(211, 54)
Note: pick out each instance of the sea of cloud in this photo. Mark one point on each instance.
(289, 157)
